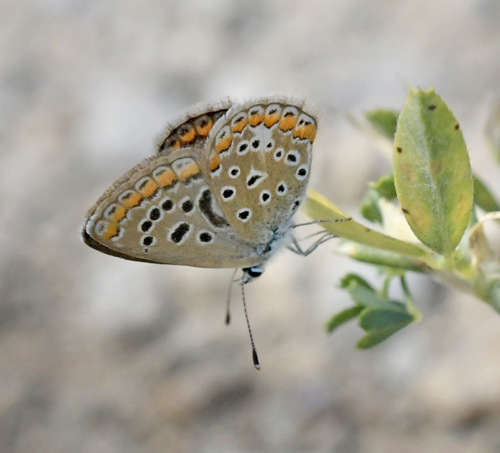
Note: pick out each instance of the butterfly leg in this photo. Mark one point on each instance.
(296, 248)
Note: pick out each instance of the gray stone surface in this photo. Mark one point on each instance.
(103, 355)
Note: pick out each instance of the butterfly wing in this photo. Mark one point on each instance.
(257, 160)
(163, 211)
(191, 129)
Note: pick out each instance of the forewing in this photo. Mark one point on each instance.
(163, 211)
(258, 159)
(191, 129)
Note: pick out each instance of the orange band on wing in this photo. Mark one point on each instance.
(188, 171)
(119, 214)
(149, 188)
(303, 132)
(111, 231)
(132, 201)
(189, 136)
(165, 178)
(256, 119)
(214, 162)
(272, 119)
(176, 145)
(224, 144)
(240, 125)
(287, 123)
(204, 130)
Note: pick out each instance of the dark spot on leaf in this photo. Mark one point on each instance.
(457, 126)
(431, 107)
(405, 210)
(400, 150)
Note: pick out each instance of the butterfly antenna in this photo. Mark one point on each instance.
(228, 309)
(315, 222)
(255, 357)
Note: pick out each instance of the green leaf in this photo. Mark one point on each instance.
(363, 294)
(342, 317)
(319, 208)
(375, 318)
(370, 209)
(384, 121)
(381, 324)
(483, 197)
(493, 130)
(385, 186)
(351, 279)
(375, 337)
(432, 171)
(372, 255)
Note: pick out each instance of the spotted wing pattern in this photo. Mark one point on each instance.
(163, 211)
(257, 160)
(192, 128)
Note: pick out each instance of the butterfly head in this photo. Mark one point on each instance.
(251, 273)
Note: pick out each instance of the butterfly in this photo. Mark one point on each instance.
(219, 193)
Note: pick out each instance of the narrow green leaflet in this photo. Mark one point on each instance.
(493, 130)
(343, 317)
(384, 121)
(375, 337)
(385, 186)
(375, 318)
(319, 208)
(432, 171)
(483, 197)
(370, 209)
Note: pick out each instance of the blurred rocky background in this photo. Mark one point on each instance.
(102, 355)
